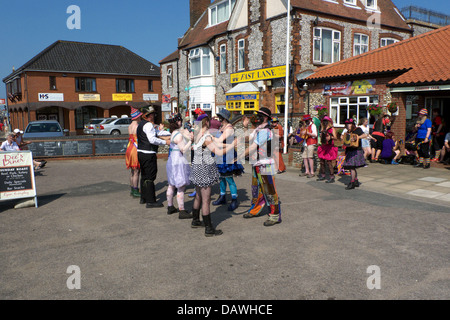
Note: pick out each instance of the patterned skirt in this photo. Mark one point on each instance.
(131, 156)
(354, 158)
(204, 175)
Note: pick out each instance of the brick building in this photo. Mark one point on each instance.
(72, 82)
(413, 74)
(234, 53)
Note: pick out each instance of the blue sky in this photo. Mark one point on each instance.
(150, 28)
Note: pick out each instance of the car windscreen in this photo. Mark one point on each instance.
(43, 127)
(95, 121)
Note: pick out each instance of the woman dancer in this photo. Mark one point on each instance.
(177, 166)
(131, 156)
(227, 166)
(354, 156)
(204, 173)
(365, 143)
(327, 152)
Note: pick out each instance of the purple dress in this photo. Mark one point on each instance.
(177, 167)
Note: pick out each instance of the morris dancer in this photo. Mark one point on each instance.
(131, 155)
(263, 171)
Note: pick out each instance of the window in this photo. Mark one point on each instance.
(150, 85)
(360, 44)
(200, 62)
(169, 77)
(221, 12)
(83, 116)
(241, 54)
(223, 59)
(52, 80)
(387, 41)
(124, 85)
(327, 45)
(85, 84)
(343, 108)
(350, 2)
(372, 4)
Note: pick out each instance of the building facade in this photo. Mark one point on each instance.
(73, 82)
(234, 54)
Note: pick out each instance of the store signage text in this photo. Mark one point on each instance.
(260, 74)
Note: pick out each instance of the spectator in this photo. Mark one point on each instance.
(445, 149)
(423, 126)
(295, 137)
(378, 134)
(23, 145)
(438, 132)
(365, 143)
(390, 152)
(310, 136)
(10, 144)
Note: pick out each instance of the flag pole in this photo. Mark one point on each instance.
(286, 93)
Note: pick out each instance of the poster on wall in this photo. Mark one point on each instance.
(17, 176)
(349, 88)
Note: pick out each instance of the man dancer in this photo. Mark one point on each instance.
(261, 147)
(148, 143)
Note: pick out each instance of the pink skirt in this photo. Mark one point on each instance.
(327, 152)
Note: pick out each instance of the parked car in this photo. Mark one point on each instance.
(114, 126)
(93, 125)
(44, 129)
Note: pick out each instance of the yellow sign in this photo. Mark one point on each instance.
(89, 97)
(122, 97)
(259, 74)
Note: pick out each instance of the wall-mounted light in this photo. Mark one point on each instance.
(316, 21)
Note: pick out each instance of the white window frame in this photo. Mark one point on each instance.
(350, 2)
(337, 103)
(203, 55)
(334, 41)
(359, 44)
(241, 58)
(214, 10)
(387, 39)
(374, 5)
(223, 58)
(169, 77)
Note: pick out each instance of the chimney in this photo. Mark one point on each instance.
(196, 9)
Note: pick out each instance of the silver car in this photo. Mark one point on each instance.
(114, 126)
(93, 125)
(44, 129)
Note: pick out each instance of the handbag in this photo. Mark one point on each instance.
(349, 140)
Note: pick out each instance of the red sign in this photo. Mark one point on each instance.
(2, 101)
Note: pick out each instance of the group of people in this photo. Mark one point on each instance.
(14, 142)
(212, 143)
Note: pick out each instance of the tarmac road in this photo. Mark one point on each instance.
(328, 239)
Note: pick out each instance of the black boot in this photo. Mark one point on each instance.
(233, 205)
(196, 223)
(209, 229)
(184, 215)
(350, 186)
(171, 210)
(222, 200)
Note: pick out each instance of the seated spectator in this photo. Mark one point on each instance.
(9, 144)
(390, 152)
(295, 137)
(445, 149)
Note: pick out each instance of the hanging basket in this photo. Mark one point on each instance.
(392, 107)
(375, 110)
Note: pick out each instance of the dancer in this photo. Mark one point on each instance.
(131, 155)
(204, 173)
(226, 165)
(177, 167)
(310, 136)
(148, 143)
(354, 155)
(278, 150)
(327, 152)
(263, 183)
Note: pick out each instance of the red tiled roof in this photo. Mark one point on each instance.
(421, 59)
(389, 16)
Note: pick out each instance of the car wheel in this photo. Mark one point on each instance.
(115, 132)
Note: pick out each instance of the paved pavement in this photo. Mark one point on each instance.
(323, 249)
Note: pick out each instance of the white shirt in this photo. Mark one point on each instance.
(9, 147)
(152, 133)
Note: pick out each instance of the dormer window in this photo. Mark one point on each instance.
(221, 12)
(350, 2)
(371, 4)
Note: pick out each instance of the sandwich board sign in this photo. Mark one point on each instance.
(17, 176)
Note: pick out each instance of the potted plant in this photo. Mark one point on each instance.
(392, 107)
(375, 110)
(321, 110)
